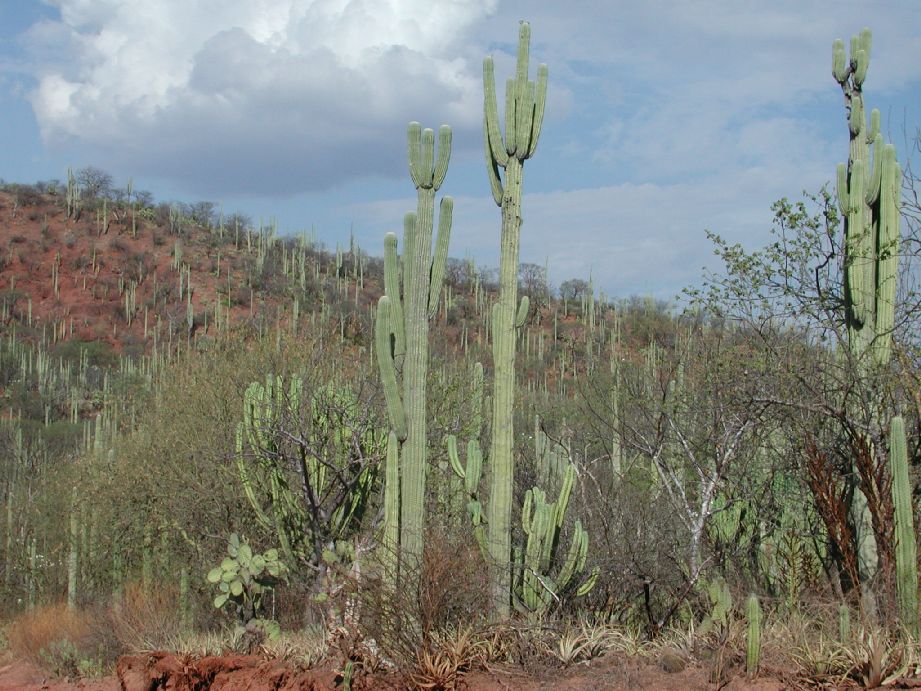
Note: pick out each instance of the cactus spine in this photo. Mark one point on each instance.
(868, 196)
(753, 639)
(402, 329)
(524, 113)
(906, 558)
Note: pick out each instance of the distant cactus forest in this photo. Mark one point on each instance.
(388, 467)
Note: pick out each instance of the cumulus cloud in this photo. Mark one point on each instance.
(663, 118)
(261, 96)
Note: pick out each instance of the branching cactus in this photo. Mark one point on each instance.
(869, 194)
(524, 114)
(906, 557)
(535, 590)
(402, 330)
(315, 464)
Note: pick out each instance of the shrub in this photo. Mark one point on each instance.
(146, 619)
(63, 641)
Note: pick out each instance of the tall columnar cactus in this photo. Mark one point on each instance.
(906, 558)
(402, 329)
(524, 114)
(869, 195)
(753, 638)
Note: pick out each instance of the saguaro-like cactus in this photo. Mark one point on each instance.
(534, 589)
(524, 114)
(402, 329)
(868, 196)
(906, 556)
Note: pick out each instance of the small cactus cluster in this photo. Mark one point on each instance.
(534, 590)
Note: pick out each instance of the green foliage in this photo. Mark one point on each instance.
(244, 578)
(316, 462)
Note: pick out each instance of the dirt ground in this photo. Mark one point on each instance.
(23, 676)
(179, 673)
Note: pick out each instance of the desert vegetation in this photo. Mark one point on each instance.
(395, 467)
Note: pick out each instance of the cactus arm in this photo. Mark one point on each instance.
(441, 254)
(247, 482)
(522, 316)
(392, 291)
(385, 363)
(492, 168)
(539, 103)
(444, 156)
(495, 151)
(451, 442)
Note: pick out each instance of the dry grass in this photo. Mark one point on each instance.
(145, 620)
(67, 643)
(301, 649)
(33, 632)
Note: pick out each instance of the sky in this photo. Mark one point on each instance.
(664, 119)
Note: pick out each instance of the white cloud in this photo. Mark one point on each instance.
(663, 118)
(270, 96)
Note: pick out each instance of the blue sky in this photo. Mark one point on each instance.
(663, 118)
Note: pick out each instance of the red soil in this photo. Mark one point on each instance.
(178, 673)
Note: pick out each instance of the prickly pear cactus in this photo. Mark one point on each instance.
(243, 579)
